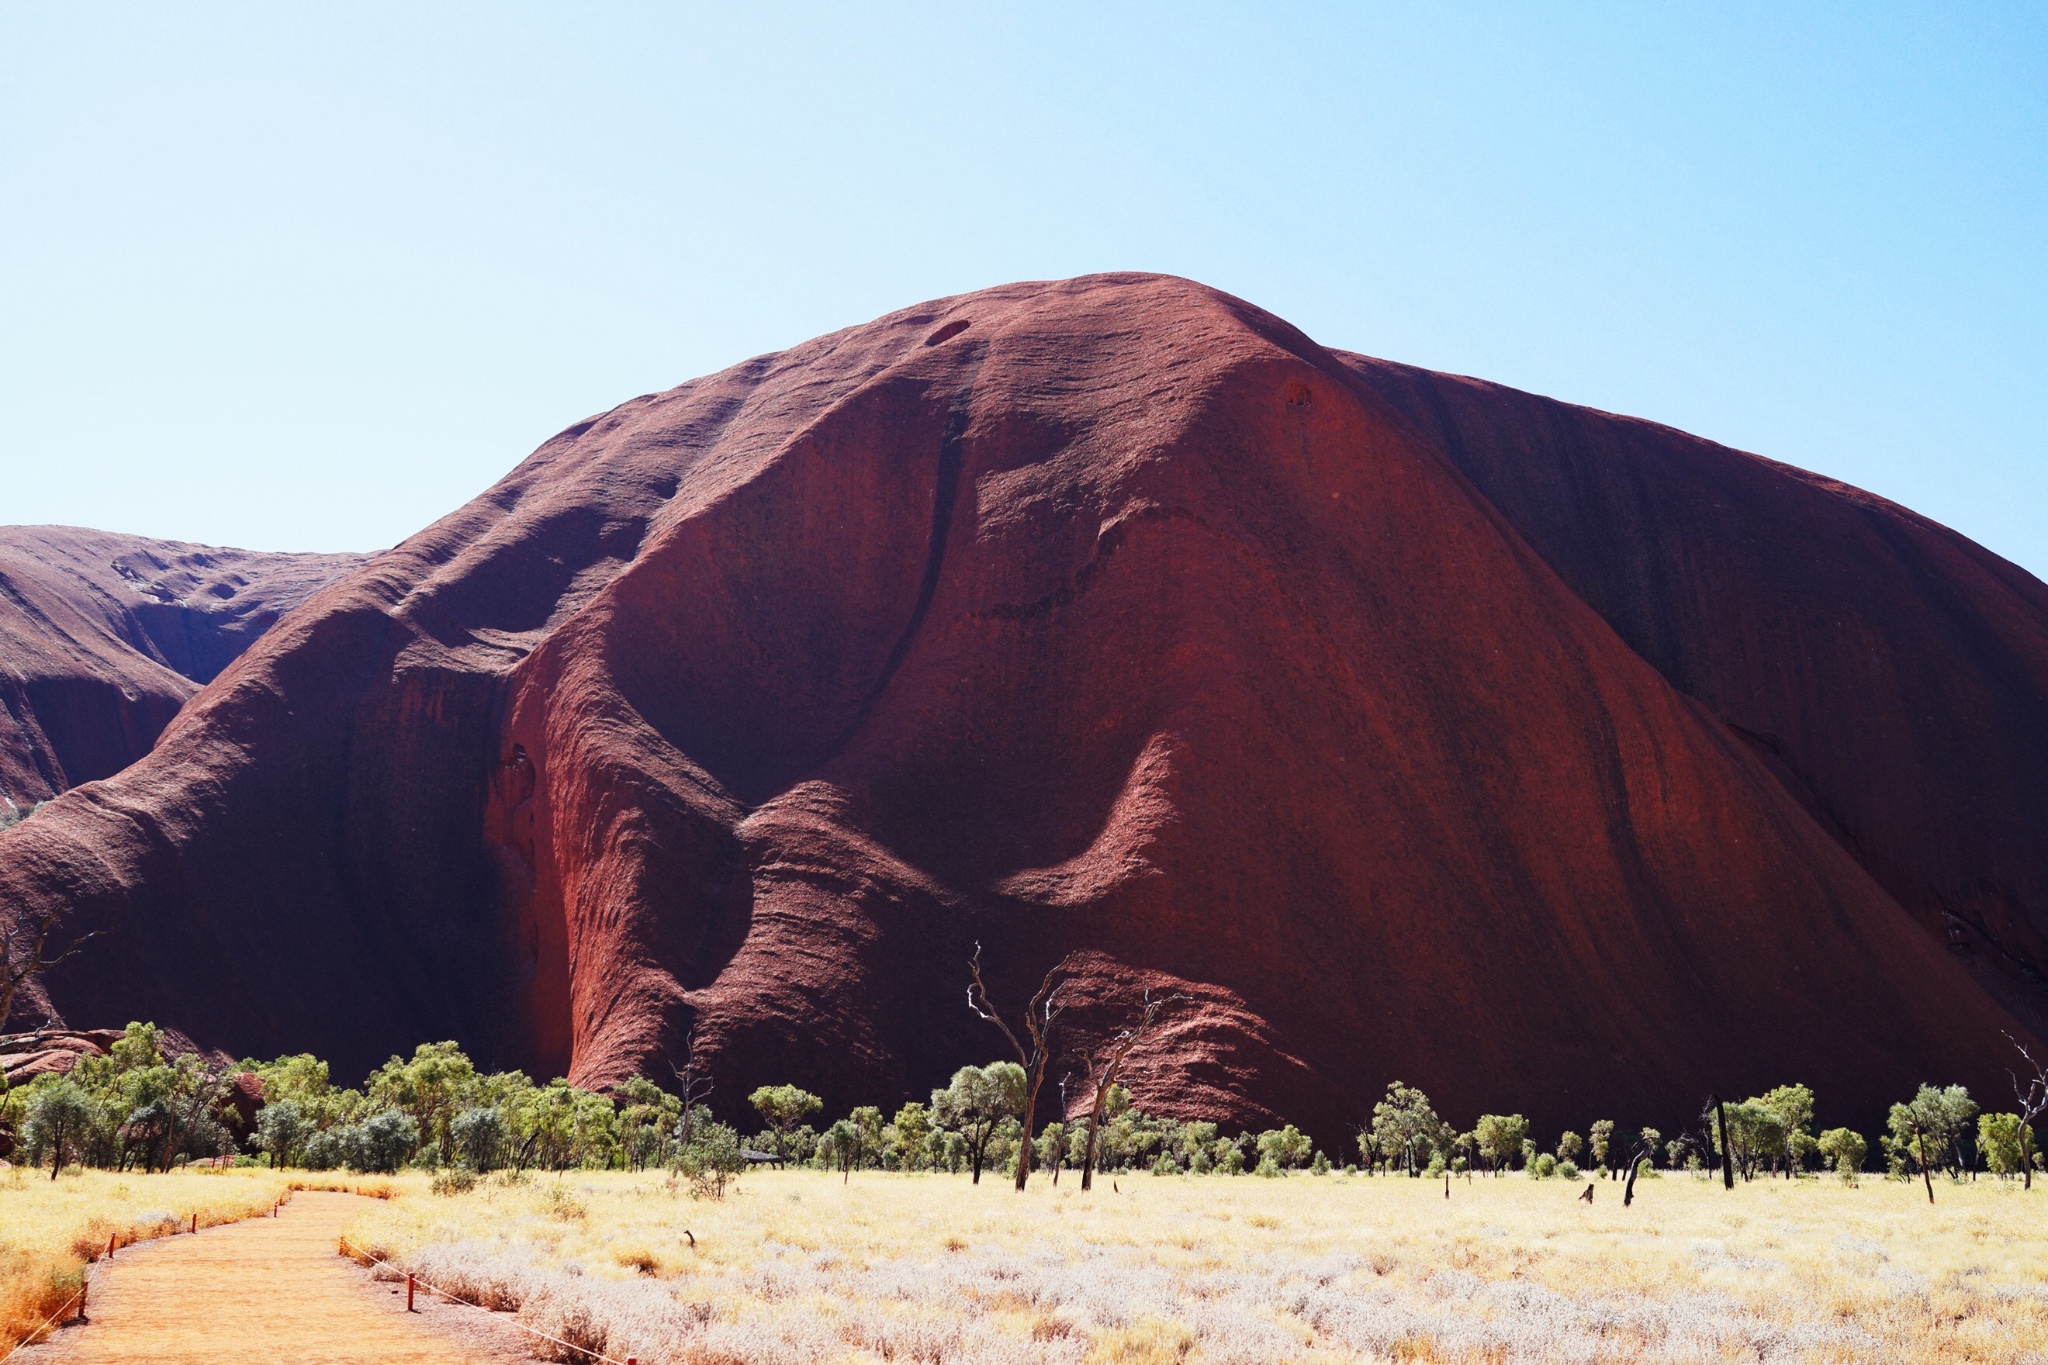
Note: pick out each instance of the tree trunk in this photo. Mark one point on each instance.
(1023, 1172)
(1727, 1157)
(1094, 1138)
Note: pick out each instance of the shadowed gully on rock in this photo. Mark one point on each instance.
(1402, 725)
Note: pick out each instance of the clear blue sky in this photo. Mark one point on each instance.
(307, 280)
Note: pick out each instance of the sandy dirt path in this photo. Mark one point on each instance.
(269, 1289)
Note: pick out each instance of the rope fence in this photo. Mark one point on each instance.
(348, 1247)
(78, 1298)
(411, 1280)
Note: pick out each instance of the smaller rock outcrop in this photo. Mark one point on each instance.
(104, 636)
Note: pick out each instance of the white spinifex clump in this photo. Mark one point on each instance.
(951, 1311)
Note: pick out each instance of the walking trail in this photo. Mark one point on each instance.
(269, 1289)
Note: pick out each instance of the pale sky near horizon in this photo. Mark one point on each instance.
(308, 278)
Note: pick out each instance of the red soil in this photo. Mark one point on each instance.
(1122, 618)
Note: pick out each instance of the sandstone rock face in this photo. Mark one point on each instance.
(1116, 616)
(1888, 672)
(103, 637)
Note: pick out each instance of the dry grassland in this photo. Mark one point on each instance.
(50, 1229)
(797, 1267)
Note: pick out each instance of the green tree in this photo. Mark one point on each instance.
(648, 1117)
(1999, 1139)
(430, 1086)
(1050, 1151)
(867, 1121)
(479, 1137)
(1500, 1138)
(979, 1099)
(1569, 1145)
(1755, 1135)
(912, 1136)
(1285, 1147)
(382, 1142)
(842, 1143)
(1844, 1149)
(783, 1107)
(1792, 1107)
(1602, 1137)
(1406, 1129)
(281, 1129)
(56, 1120)
(1926, 1134)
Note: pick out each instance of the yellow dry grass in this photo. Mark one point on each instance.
(50, 1229)
(1773, 1270)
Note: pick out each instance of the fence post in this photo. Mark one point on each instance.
(112, 1238)
(408, 1293)
(195, 1222)
(82, 1288)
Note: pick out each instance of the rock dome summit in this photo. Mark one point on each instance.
(1400, 724)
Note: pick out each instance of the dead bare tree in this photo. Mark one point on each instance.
(694, 1087)
(1039, 1017)
(1106, 1064)
(1645, 1151)
(16, 971)
(2031, 1099)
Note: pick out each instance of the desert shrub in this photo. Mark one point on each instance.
(1844, 1150)
(478, 1137)
(453, 1180)
(1568, 1169)
(711, 1161)
(1165, 1165)
(563, 1205)
(1286, 1147)
(1542, 1166)
(379, 1144)
(1319, 1166)
(323, 1151)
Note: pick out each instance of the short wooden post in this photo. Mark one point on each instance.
(195, 1222)
(112, 1239)
(81, 1299)
(408, 1293)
